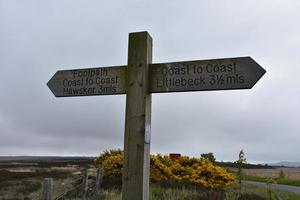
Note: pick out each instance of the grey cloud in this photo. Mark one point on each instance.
(41, 37)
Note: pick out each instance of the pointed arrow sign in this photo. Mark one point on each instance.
(216, 74)
(90, 81)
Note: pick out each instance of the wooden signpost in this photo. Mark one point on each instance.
(138, 80)
(91, 81)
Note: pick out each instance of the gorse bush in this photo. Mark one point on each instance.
(162, 169)
(112, 162)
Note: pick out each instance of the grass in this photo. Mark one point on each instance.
(157, 192)
(6, 175)
(249, 192)
(184, 193)
(21, 185)
(163, 193)
(267, 180)
(263, 192)
(15, 190)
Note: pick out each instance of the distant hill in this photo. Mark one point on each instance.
(285, 164)
(43, 158)
(246, 166)
(44, 161)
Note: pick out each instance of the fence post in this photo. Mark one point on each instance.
(85, 184)
(47, 189)
(99, 181)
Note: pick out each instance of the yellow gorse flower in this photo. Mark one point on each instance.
(162, 168)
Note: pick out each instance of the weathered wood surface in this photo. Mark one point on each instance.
(99, 178)
(215, 74)
(90, 81)
(85, 184)
(47, 189)
(201, 75)
(138, 119)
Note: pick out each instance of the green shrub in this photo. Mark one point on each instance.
(250, 197)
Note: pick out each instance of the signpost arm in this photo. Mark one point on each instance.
(138, 119)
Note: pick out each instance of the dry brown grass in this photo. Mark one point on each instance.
(290, 173)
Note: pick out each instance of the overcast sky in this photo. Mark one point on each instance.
(37, 38)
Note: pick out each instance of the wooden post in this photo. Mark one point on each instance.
(85, 184)
(138, 119)
(47, 189)
(99, 181)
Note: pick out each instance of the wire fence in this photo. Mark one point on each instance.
(86, 187)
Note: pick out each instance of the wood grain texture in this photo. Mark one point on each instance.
(138, 119)
(201, 75)
(89, 81)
